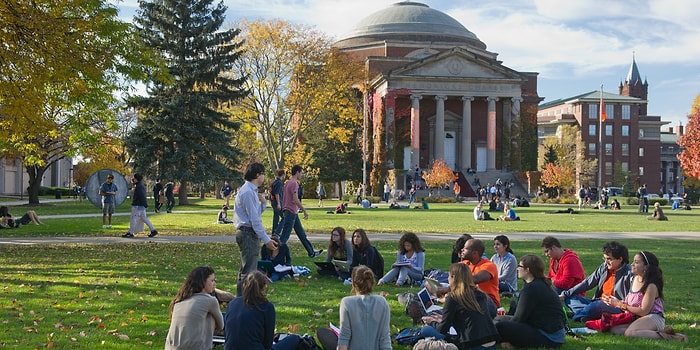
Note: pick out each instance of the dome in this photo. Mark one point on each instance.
(409, 20)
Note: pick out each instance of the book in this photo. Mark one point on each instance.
(401, 264)
(282, 268)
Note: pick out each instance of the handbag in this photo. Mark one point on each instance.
(608, 321)
(407, 336)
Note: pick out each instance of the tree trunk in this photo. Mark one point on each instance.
(182, 195)
(35, 173)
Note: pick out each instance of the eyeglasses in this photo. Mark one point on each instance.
(546, 250)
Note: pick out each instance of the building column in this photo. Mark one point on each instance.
(466, 149)
(440, 127)
(506, 135)
(415, 130)
(516, 135)
(491, 134)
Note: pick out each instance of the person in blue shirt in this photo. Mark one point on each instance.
(108, 190)
(509, 214)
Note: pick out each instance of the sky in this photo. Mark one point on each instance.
(574, 45)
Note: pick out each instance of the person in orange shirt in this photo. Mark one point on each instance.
(484, 271)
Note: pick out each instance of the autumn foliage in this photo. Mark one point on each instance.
(440, 175)
(690, 141)
(554, 176)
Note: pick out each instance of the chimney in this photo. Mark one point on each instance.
(679, 130)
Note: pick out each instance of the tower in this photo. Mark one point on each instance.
(634, 87)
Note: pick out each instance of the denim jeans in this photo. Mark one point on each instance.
(291, 221)
(585, 309)
(401, 274)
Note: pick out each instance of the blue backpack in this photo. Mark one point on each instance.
(407, 336)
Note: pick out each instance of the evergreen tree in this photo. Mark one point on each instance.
(183, 134)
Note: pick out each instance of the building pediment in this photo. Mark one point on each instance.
(456, 63)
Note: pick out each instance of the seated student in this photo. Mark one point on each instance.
(612, 277)
(410, 261)
(539, 319)
(339, 248)
(506, 263)
(251, 318)
(480, 213)
(509, 214)
(615, 204)
(457, 247)
(493, 205)
(395, 205)
(364, 318)
(423, 204)
(658, 213)
(465, 310)
(367, 204)
(278, 256)
(223, 216)
(195, 314)
(565, 268)
(9, 221)
(364, 253)
(676, 205)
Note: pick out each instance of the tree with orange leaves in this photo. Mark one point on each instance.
(439, 176)
(690, 142)
(554, 176)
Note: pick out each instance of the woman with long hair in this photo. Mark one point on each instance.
(506, 263)
(465, 310)
(457, 247)
(250, 318)
(364, 253)
(278, 255)
(410, 260)
(645, 301)
(195, 313)
(339, 248)
(539, 318)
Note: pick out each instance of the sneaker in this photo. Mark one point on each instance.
(316, 253)
(128, 235)
(104, 226)
(109, 226)
(153, 233)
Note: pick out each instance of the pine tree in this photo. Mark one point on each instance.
(183, 134)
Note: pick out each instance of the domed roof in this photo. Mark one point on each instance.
(414, 20)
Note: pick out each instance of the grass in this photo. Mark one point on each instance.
(116, 296)
(199, 217)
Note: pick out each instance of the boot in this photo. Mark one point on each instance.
(670, 334)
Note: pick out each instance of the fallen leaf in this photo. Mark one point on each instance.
(693, 325)
(123, 337)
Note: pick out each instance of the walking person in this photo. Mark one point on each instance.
(138, 209)
(247, 211)
(170, 196)
(108, 190)
(158, 194)
(226, 191)
(290, 208)
(321, 192)
(276, 190)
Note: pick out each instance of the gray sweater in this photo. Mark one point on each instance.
(364, 323)
(193, 322)
(623, 278)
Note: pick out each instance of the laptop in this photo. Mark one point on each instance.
(325, 266)
(427, 301)
(343, 266)
(266, 266)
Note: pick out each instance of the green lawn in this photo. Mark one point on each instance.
(116, 296)
(441, 218)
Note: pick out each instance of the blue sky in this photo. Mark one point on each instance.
(575, 45)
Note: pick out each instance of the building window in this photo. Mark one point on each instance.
(610, 111)
(625, 166)
(641, 152)
(625, 149)
(625, 130)
(625, 112)
(608, 168)
(591, 149)
(591, 130)
(608, 130)
(641, 133)
(608, 149)
(593, 111)
(641, 171)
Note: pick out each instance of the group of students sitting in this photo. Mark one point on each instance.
(7, 220)
(470, 297)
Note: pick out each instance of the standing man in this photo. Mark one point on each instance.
(565, 268)
(581, 197)
(157, 193)
(138, 209)
(226, 192)
(108, 190)
(321, 192)
(387, 191)
(276, 201)
(248, 208)
(290, 209)
(170, 196)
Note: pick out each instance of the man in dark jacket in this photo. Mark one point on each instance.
(612, 278)
(138, 209)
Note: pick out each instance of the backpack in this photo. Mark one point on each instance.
(307, 342)
(407, 336)
(581, 193)
(412, 306)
